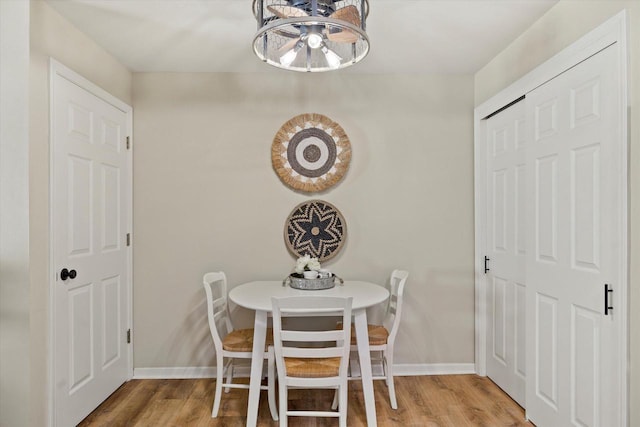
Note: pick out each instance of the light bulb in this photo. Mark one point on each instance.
(333, 59)
(314, 40)
(288, 57)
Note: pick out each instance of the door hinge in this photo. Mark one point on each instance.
(128, 143)
(128, 336)
(128, 239)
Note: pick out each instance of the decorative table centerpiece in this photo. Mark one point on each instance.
(309, 275)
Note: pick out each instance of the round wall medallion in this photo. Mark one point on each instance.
(311, 153)
(315, 228)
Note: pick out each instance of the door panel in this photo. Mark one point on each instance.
(586, 366)
(112, 313)
(500, 320)
(546, 356)
(500, 213)
(520, 205)
(79, 199)
(90, 175)
(110, 207)
(81, 303)
(520, 328)
(546, 212)
(585, 221)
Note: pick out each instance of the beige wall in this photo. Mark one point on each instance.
(562, 25)
(206, 198)
(53, 36)
(14, 214)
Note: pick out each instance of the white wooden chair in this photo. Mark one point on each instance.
(232, 344)
(382, 338)
(322, 362)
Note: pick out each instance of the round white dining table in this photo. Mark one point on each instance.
(257, 296)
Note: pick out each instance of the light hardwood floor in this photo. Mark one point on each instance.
(448, 400)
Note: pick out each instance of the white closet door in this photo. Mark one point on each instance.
(506, 232)
(573, 246)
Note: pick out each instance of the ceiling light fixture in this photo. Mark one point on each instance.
(311, 35)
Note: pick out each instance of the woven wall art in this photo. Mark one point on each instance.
(311, 153)
(316, 228)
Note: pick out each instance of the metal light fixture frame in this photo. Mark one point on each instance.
(275, 37)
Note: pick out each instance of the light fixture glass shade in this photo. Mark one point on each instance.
(311, 35)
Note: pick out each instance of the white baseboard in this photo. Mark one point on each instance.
(417, 369)
(177, 373)
(414, 369)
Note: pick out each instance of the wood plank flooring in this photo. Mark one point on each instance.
(429, 401)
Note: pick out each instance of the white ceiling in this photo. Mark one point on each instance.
(407, 36)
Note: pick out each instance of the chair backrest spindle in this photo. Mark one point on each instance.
(394, 306)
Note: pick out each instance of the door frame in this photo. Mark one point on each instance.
(614, 30)
(56, 69)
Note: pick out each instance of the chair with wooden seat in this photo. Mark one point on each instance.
(317, 359)
(382, 337)
(232, 343)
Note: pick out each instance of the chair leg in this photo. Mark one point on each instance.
(354, 364)
(229, 376)
(384, 368)
(271, 384)
(282, 388)
(388, 362)
(343, 392)
(219, 377)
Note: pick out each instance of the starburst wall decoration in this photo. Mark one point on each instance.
(311, 153)
(315, 228)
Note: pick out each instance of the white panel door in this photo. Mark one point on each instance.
(574, 199)
(506, 240)
(89, 216)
